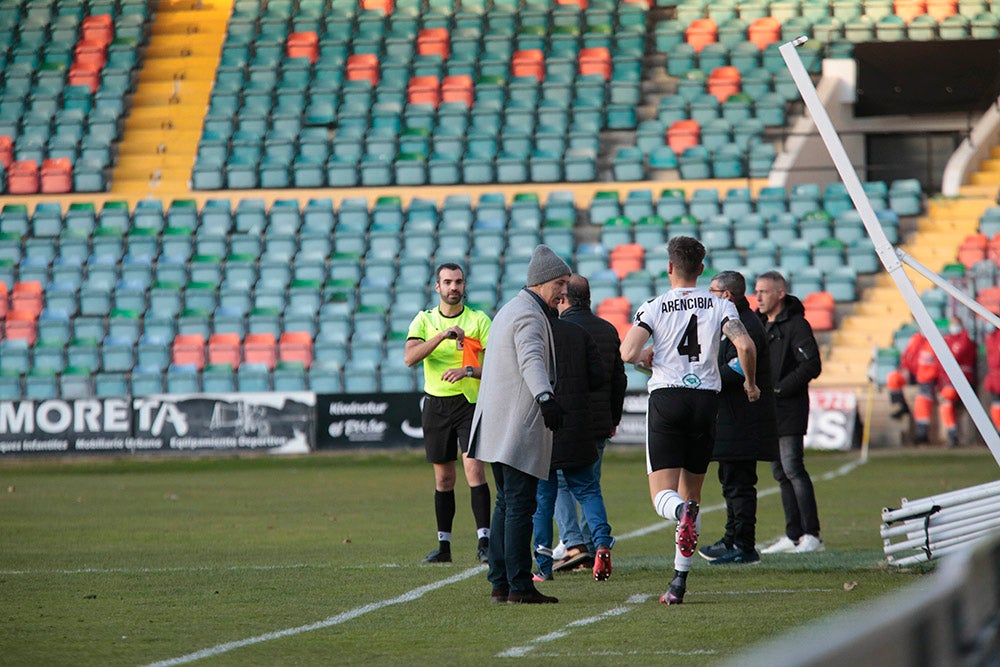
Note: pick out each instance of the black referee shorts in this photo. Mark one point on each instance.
(680, 429)
(447, 423)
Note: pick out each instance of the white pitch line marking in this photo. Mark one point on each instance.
(522, 651)
(417, 593)
(409, 596)
(200, 568)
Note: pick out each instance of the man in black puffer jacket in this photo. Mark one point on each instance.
(579, 370)
(605, 414)
(794, 362)
(745, 432)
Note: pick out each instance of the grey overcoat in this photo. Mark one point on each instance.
(507, 426)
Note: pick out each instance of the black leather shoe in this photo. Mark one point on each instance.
(499, 595)
(533, 596)
(438, 556)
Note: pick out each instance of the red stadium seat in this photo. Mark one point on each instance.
(296, 346)
(188, 350)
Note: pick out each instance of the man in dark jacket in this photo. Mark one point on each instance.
(745, 432)
(605, 414)
(579, 370)
(794, 362)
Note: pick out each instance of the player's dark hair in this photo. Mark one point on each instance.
(449, 266)
(686, 253)
(578, 291)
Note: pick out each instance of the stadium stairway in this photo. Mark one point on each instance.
(162, 130)
(882, 310)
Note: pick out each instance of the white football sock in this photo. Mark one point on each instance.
(666, 504)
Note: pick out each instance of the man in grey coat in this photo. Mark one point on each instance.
(514, 419)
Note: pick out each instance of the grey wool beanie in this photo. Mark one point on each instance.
(545, 265)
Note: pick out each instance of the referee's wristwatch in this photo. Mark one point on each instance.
(544, 397)
(468, 371)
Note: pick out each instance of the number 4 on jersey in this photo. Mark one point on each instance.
(689, 347)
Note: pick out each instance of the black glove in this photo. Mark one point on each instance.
(552, 413)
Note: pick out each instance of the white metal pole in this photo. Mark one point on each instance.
(883, 247)
(949, 499)
(958, 294)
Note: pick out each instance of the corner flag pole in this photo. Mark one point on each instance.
(884, 248)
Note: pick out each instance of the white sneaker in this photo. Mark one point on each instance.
(808, 543)
(782, 546)
(559, 552)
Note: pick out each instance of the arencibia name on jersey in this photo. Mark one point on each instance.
(686, 303)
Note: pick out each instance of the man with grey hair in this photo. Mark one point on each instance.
(794, 362)
(514, 419)
(745, 432)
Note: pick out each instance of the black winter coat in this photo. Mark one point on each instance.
(794, 362)
(746, 431)
(606, 402)
(579, 370)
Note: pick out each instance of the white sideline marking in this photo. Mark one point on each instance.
(521, 651)
(417, 593)
(201, 568)
(410, 596)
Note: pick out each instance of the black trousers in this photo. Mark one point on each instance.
(739, 488)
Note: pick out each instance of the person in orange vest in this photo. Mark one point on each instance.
(919, 364)
(964, 350)
(992, 381)
(906, 374)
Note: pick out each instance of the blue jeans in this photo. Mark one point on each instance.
(510, 532)
(797, 496)
(584, 486)
(571, 532)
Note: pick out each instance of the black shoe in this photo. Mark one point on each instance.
(438, 556)
(900, 412)
(499, 595)
(534, 596)
(737, 556)
(675, 592)
(483, 551)
(713, 551)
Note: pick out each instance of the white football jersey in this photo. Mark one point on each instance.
(685, 325)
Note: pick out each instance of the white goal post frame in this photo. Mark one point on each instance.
(891, 259)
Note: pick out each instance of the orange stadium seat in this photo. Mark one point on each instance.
(296, 346)
(763, 31)
(723, 82)
(98, 28)
(973, 249)
(909, 9)
(529, 62)
(27, 296)
(56, 176)
(683, 134)
(942, 9)
(626, 258)
(20, 324)
(6, 151)
(424, 90)
(188, 350)
(22, 177)
(303, 45)
(260, 348)
(596, 60)
(819, 310)
(434, 41)
(4, 299)
(363, 66)
(458, 88)
(225, 348)
(90, 54)
(701, 32)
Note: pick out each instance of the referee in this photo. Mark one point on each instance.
(450, 340)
